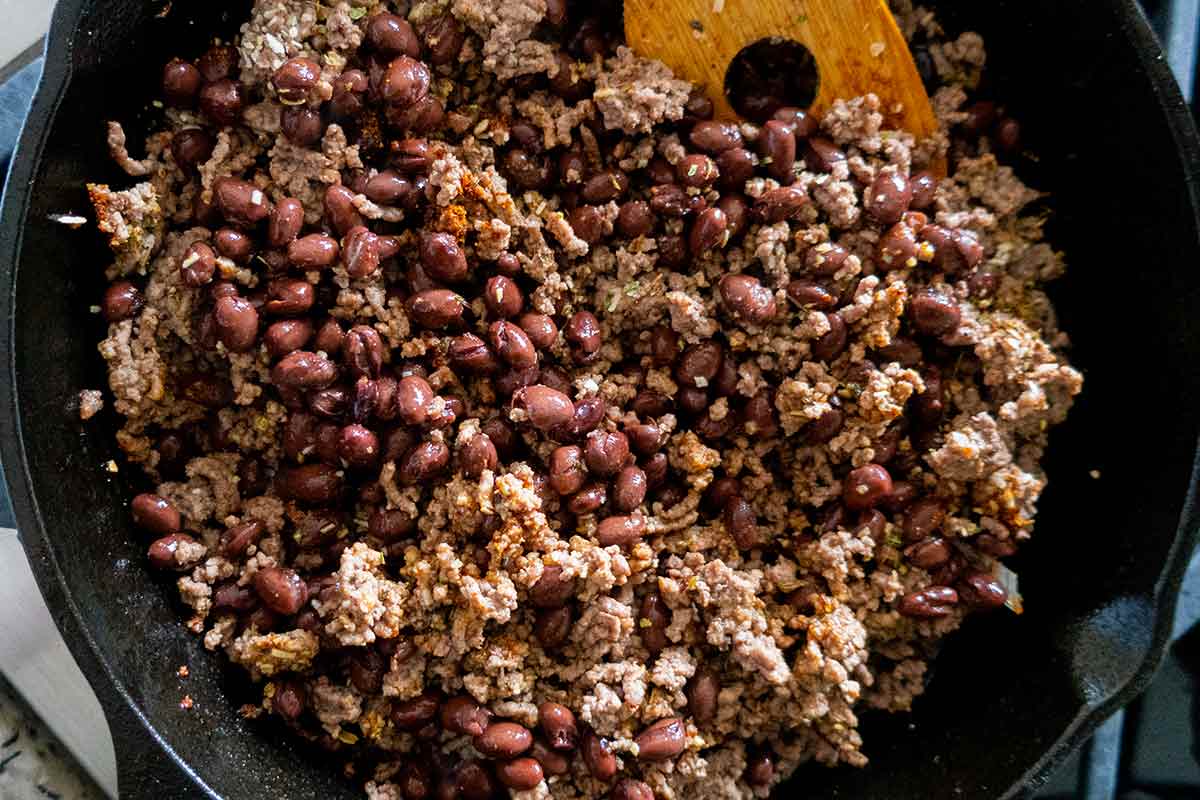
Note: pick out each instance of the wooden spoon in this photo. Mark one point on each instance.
(856, 43)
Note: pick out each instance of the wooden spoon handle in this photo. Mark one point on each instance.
(856, 43)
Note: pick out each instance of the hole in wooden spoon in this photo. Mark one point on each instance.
(769, 74)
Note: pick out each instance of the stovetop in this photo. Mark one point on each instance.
(1148, 751)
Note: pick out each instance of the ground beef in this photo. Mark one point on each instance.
(91, 402)
(379, 501)
(269, 654)
(634, 94)
(133, 221)
(361, 600)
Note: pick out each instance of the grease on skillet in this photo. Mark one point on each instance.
(520, 428)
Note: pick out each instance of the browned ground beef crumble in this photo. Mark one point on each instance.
(520, 431)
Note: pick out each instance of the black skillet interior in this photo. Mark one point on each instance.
(1010, 695)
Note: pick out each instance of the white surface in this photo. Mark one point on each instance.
(36, 661)
(23, 23)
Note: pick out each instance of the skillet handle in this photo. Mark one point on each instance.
(143, 773)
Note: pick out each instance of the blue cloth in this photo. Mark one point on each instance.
(15, 95)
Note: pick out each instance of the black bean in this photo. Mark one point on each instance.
(340, 209)
(315, 484)
(697, 171)
(416, 713)
(236, 323)
(606, 453)
(423, 462)
(745, 296)
(866, 486)
(604, 187)
(444, 38)
(282, 590)
(889, 197)
(652, 622)
(289, 297)
(287, 335)
(929, 554)
(471, 354)
(702, 693)
(362, 351)
(242, 203)
(520, 774)
(568, 82)
(715, 137)
(935, 312)
(622, 531)
(558, 724)
(583, 332)
(670, 200)
(405, 82)
(122, 300)
(162, 552)
(598, 756)
(303, 370)
(649, 403)
(358, 446)
(699, 363)
(540, 329)
(218, 62)
(390, 525)
(1007, 136)
(436, 308)
(760, 771)
(463, 715)
(672, 251)
(504, 740)
(629, 489)
(831, 344)
(567, 471)
(512, 345)
(931, 603)
(826, 259)
(803, 124)
(710, 231)
(222, 102)
(301, 125)
(571, 168)
(587, 222)
(777, 142)
(349, 90)
(742, 523)
(443, 258)
(545, 408)
(663, 740)
(783, 203)
(635, 219)
(286, 222)
(155, 514)
(191, 147)
(527, 171)
(181, 82)
(390, 35)
(553, 626)
(810, 294)
(924, 189)
(822, 155)
(295, 79)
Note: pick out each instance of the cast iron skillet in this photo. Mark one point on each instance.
(1011, 696)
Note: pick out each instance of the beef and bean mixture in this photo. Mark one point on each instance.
(519, 428)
